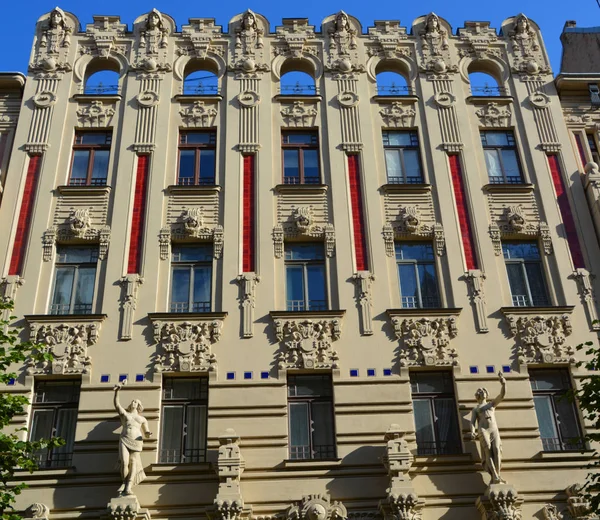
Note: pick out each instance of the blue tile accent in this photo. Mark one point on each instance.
(354, 372)
(506, 369)
(387, 371)
(230, 375)
(11, 381)
(474, 369)
(122, 377)
(264, 375)
(105, 378)
(139, 378)
(490, 369)
(247, 375)
(370, 372)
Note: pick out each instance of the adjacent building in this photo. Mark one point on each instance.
(304, 250)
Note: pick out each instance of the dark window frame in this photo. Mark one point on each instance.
(306, 304)
(512, 146)
(92, 148)
(184, 403)
(436, 303)
(312, 451)
(300, 147)
(57, 457)
(197, 179)
(516, 300)
(415, 145)
(191, 265)
(593, 146)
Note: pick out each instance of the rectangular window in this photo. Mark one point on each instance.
(91, 152)
(191, 278)
(74, 280)
(305, 277)
(501, 159)
(525, 274)
(310, 412)
(300, 152)
(402, 157)
(183, 420)
(197, 158)
(54, 414)
(556, 413)
(436, 419)
(593, 147)
(417, 276)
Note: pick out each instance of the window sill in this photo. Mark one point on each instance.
(75, 191)
(304, 188)
(196, 189)
(198, 97)
(409, 98)
(186, 316)
(94, 97)
(49, 472)
(564, 455)
(443, 459)
(169, 468)
(303, 315)
(404, 188)
(522, 311)
(62, 318)
(434, 311)
(314, 463)
(298, 97)
(501, 100)
(512, 188)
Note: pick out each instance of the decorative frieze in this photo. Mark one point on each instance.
(185, 341)
(364, 282)
(248, 283)
(389, 40)
(398, 115)
(199, 114)
(317, 507)
(307, 339)
(541, 334)
(95, 115)
(126, 507)
(481, 40)
(204, 38)
(426, 336)
(299, 114)
(293, 36)
(494, 115)
(105, 31)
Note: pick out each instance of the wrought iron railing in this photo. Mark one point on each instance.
(319, 451)
(191, 181)
(438, 448)
(405, 180)
(84, 182)
(300, 305)
(508, 179)
(200, 89)
(176, 456)
(65, 308)
(297, 89)
(53, 458)
(486, 90)
(567, 444)
(195, 307)
(297, 180)
(393, 90)
(101, 90)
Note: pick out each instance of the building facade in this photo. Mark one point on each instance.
(11, 92)
(305, 282)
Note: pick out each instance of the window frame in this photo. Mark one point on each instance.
(498, 148)
(75, 267)
(46, 457)
(191, 265)
(592, 142)
(309, 400)
(416, 263)
(185, 403)
(414, 137)
(430, 397)
(522, 262)
(301, 147)
(92, 148)
(197, 147)
(305, 263)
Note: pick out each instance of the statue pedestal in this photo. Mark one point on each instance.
(126, 508)
(500, 501)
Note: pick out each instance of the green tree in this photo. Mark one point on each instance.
(588, 397)
(15, 454)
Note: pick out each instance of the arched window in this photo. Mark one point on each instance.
(484, 84)
(297, 78)
(391, 82)
(201, 83)
(103, 82)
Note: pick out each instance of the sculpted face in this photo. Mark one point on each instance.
(55, 19)
(342, 22)
(153, 20)
(136, 404)
(522, 24)
(481, 395)
(432, 24)
(248, 21)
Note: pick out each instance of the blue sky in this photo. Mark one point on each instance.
(19, 20)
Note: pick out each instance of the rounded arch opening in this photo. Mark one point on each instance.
(200, 77)
(102, 77)
(484, 79)
(392, 79)
(297, 77)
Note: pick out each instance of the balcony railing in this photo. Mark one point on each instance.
(175, 456)
(200, 89)
(101, 90)
(486, 91)
(65, 308)
(297, 89)
(195, 307)
(438, 448)
(567, 444)
(405, 180)
(508, 179)
(52, 459)
(297, 180)
(84, 182)
(393, 90)
(300, 305)
(412, 302)
(319, 451)
(191, 181)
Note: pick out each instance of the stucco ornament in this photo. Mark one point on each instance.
(44, 99)
(193, 220)
(364, 283)
(153, 42)
(186, 346)
(578, 505)
(299, 114)
(38, 511)
(317, 507)
(54, 43)
(434, 46)
(387, 37)
(95, 115)
(494, 115)
(427, 341)
(527, 54)
(79, 222)
(248, 282)
(198, 114)
(501, 502)
(480, 38)
(398, 115)
(249, 42)
(542, 338)
(135, 430)
(294, 36)
(411, 218)
(302, 216)
(515, 217)
(342, 46)
(307, 343)
(550, 512)
(485, 428)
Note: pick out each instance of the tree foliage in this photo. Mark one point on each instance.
(15, 454)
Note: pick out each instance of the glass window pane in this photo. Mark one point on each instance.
(207, 166)
(322, 425)
(567, 420)
(63, 286)
(84, 293)
(311, 165)
(492, 163)
(447, 425)
(100, 167)
(187, 165)
(545, 416)
(65, 429)
(511, 163)
(409, 294)
(309, 386)
(80, 164)
(516, 280)
(431, 383)
(198, 137)
(94, 138)
(429, 287)
(424, 423)
(41, 424)
(393, 165)
(412, 251)
(195, 439)
(299, 427)
(398, 138)
(180, 290)
(77, 255)
(295, 287)
(298, 138)
(316, 287)
(184, 388)
(202, 288)
(549, 380)
(535, 277)
(193, 253)
(291, 165)
(412, 164)
(304, 252)
(497, 138)
(522, 250)
(170, 435)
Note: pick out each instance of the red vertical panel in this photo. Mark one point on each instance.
(248, 215)
(463, 211)
(24, 223)
(137, 217)
(360, 242)
(580, 149)
(565, 211)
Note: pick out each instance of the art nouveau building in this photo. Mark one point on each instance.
(303, 280)
(11, 91)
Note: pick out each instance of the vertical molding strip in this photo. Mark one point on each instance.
(24, 222)
(565, 211)
(248, 215)
(462, 208)
(580, 149)
(356, 202)
(138, 214)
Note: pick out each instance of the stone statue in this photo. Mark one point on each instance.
(154, 35)
(57, 32)
(343, 35)
(435, 36)
(249, 35)
(483, 416)
(135, 428)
